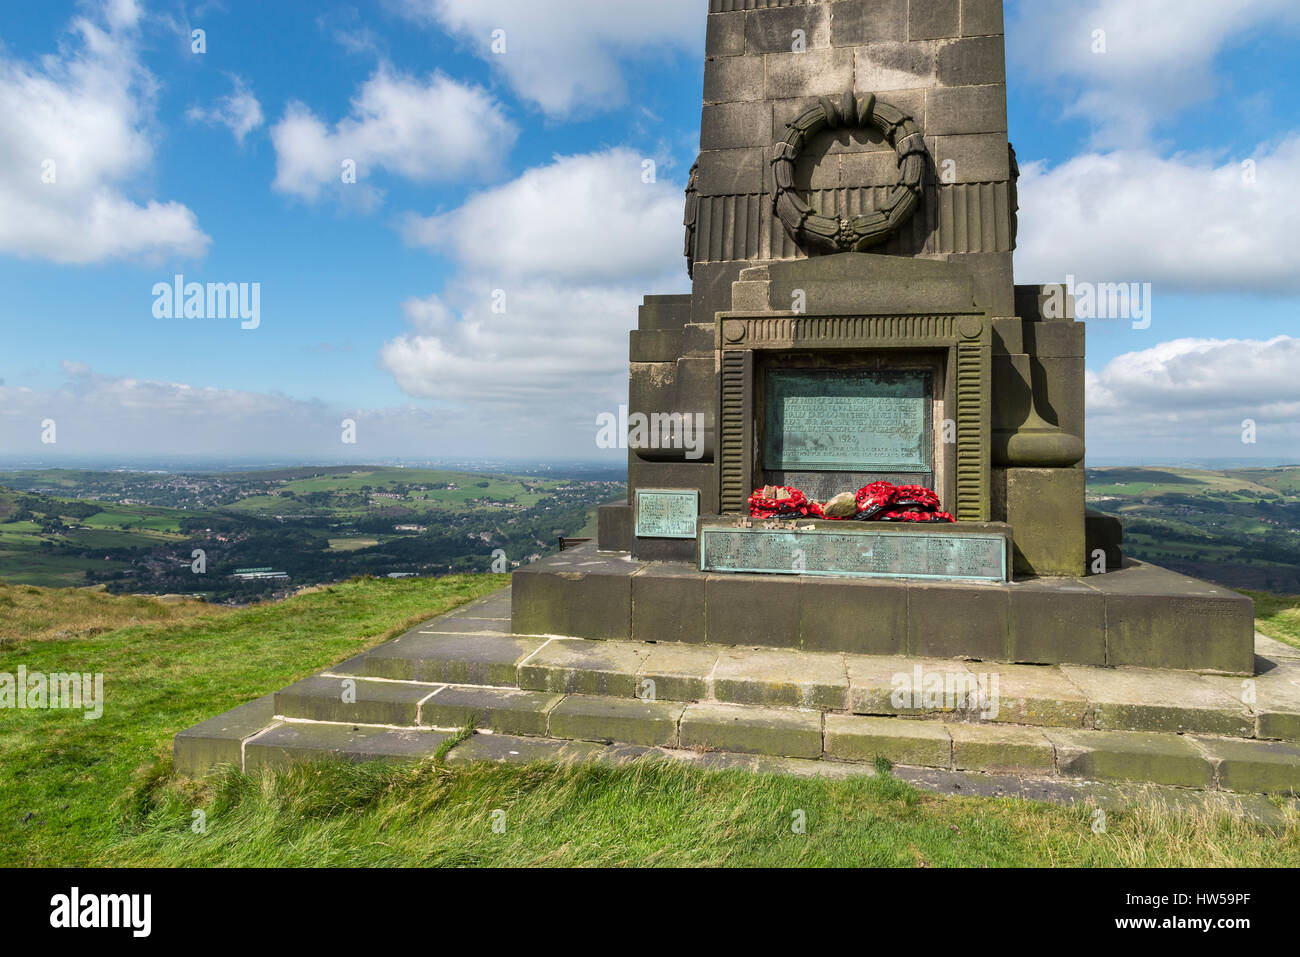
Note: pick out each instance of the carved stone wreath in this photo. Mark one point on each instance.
(833, 233)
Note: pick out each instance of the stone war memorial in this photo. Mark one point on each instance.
(879, 545)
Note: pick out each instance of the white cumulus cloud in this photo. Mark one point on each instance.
(239, 111)
(1192, 397)
(1185, 223)
(567, 250)
(424, 130)
(76, 137)
(563, 55)
(1158, 60)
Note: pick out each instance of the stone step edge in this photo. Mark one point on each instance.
(923, 744)
(1251, 716)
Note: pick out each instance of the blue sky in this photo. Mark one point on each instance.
(521, 171)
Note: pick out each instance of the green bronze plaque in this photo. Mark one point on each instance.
(666, 513)
(856, 550)
(848, 421)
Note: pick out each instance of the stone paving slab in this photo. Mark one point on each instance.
(1263, 766)
(580, 666)
(1272, 648)
(512, 749)
(680, 672)
(622, 720)
(1142, 699)
(451, 658)
(293, 742)
(897, 685)
(748, 730)
(322, 698)
(458, 624)
(220, 740)
(781, 679)
(995, 747)
(1273, 695)
(1037, 695)
(1157, 758)
(924, 744)
(507, 710)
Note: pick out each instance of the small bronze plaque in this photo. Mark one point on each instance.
(666, 513)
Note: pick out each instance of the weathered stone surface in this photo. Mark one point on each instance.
(981, 18)
(736, 125)
(576, 593)
(506, 710)
(1272, 694)
(1272, 648)
(890, 685)
(934, 20)
(1263, 766)
(966, 109)
(725, 34)
(1042, 697)
(863, 617)
(1130, 756)
(1057, 620)
(854, 24)
(726, 172)
(1045, 507)
(220, 740)
(733, 79)
(749, 730)
(1143, 699)
(973, 61)
(291, 743)
(924, 744)
(506, 749)
(668, 604)
(885, 67)
(752, 610)
(575, 666)
(614, 528)
(1156, 618)
(467, 625)
(985, 747)
(628, 721)
(376, 702)
(781, 678)
(958, 620)
(773, 30)
(451, 658)
(814, 73)
(679, 672)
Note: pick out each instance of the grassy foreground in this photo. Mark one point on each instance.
(69, 774)
(649, 813)
(102, 793)
(1278, 616)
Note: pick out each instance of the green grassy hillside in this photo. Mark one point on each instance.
(102, 793)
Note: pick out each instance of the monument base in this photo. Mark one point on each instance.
(544, 698)
(1141, 615)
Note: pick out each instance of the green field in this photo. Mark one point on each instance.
(137, 532)
(102, 793)
(343, 489)
(1239, 528)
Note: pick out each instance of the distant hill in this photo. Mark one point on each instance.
(139, 531)
(1238, 527)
